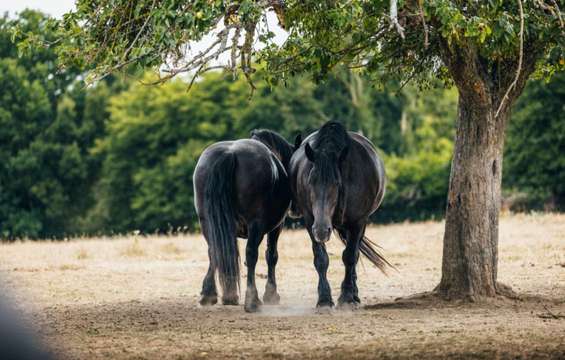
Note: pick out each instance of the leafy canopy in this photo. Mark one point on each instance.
(108, 35)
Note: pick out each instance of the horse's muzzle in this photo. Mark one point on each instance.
(322, 233)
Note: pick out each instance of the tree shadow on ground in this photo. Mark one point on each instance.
(432, 300)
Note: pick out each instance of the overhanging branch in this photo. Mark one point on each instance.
(520, 58)
(394, 18)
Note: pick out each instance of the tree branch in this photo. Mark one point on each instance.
(394, 18)
(126, 53)
(520, 58)
(426, 31)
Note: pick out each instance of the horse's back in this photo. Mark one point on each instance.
(259, 178)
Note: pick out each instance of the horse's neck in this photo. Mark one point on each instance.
(283, 156)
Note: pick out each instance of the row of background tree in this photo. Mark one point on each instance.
(119, 156)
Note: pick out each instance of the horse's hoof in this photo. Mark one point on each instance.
(348, 302)
(324, 309)
(348, 306)
(230, 301)
(252, 302)
(271, 299)
(252, 306)
(325, 303)
(208, 300)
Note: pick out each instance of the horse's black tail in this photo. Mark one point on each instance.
(220, 216)
(369, 249)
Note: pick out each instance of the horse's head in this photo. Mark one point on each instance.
(277, 144)
(325, 182)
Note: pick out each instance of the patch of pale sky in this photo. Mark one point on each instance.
(57, 8)
(54, 8)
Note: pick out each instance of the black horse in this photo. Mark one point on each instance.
(337, 181)
(242, 190)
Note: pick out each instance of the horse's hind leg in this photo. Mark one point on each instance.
(209, 294)
(271, 296)
(230, 293)
(252, 301)
(349, 293)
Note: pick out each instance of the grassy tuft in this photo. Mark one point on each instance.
(134, 249)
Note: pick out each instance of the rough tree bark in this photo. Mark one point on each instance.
(470, 244)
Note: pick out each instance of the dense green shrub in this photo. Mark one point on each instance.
(44, 139)
(535, 150)
(418, 179)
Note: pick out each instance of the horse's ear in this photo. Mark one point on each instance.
(297, 141)
(343, 154)
(309, 152)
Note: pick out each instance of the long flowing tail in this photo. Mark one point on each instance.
(220, 215)
(369, 249)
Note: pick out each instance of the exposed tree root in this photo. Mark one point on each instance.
(437, 298)
(506, 291)
(420, 300)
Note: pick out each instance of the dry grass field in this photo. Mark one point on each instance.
(136, 298)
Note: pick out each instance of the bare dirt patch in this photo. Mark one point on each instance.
(136, 298)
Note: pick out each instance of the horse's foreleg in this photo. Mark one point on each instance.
(252, 301)
(321, 262)
(349, 292)
(271, 254)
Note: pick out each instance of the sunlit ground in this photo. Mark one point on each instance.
(136, 297)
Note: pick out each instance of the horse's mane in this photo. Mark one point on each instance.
(275, 142)
(332, 139)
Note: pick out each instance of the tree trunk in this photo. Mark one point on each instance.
(470, 244)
